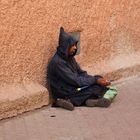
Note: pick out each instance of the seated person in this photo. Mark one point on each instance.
(69, 84)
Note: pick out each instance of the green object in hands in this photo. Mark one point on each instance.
(111, 93)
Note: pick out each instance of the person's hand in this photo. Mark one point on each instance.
(103, 82)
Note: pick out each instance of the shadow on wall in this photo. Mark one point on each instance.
(47, 85)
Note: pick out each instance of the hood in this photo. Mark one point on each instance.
(65, 42)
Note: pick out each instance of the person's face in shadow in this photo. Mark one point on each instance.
(72, 50)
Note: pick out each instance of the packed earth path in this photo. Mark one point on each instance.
(121, 121)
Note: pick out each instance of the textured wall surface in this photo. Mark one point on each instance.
(29, 29)
(110, 32)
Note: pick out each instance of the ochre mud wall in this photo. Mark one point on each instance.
(29, 29)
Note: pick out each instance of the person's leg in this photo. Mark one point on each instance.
(102, 102)
(66, 104)
(97, 98)
(92, 92)
(60, 101)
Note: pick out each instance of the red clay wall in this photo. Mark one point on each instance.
(29, 29)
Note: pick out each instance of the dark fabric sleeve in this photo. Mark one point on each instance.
(80, 71)
(84, 73)
(65, 73)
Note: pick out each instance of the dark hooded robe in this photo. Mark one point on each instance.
(65, 76)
